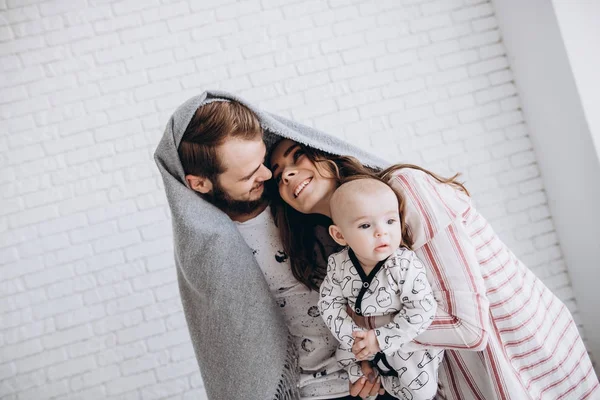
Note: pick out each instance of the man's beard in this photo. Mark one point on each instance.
(231, 206)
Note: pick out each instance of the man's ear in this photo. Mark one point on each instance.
(199, 183)
(336, 234)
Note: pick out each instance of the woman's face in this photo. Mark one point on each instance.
(302, 184)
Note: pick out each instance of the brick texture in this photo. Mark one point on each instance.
(88, 296)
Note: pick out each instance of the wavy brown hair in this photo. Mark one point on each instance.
(298, 231)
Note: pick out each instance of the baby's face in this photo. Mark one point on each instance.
(370, 224)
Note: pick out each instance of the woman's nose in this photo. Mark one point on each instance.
(287, 174)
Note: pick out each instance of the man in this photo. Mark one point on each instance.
(222, 152)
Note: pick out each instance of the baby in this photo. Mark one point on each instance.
(375, 276)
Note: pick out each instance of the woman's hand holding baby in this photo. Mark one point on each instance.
(365, 344)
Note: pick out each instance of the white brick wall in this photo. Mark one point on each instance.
(88, 299)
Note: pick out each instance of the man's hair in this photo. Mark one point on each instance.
(211, 126)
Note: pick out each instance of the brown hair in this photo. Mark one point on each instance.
(297, 230)
(211, 125)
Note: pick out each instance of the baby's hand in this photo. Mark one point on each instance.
(365, 344)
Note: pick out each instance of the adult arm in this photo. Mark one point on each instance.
(435, 214)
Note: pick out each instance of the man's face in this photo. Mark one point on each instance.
(240, 188)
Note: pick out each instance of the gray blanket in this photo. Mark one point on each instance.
(241, 343)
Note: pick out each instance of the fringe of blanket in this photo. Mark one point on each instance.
(287, 388)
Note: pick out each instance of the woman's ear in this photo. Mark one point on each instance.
(336, 234)
(199, 183)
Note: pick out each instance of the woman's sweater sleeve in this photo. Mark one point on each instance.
(434, 213)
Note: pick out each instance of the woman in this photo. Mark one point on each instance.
(507, 335)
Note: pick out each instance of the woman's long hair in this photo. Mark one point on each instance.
(306, 252)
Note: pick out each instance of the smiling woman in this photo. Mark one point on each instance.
(303, 184)
(504, 332)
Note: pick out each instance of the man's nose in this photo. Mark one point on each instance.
(266, 173)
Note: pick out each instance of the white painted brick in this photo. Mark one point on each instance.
(504, 120)
(533, 185)
(120, 272)
(169, 339)
(328, 17)
(17, 318)
(69, 34)
(493, 50)
(484, 24)
(119, 353)
(262, 19)
(182, 352)
(48, 390)
(474, 12)
(488, 66)
(116, 210)
(234, 11)
(105, 293)
(160, 262)
(451, 32)
(519, 175)
(118, 53)
(32, 216)
(80, 316)
(448, 76)
(516, 131)
(71, 367)
(7, 370)
(495, 93)
(166, 292)
(144, 363)
(170, 388)
(399, 89)
(131, 6)
(412, 115)
(431, 125)
(512, 147)
(95, 377)
(18, 268)
(43, 245)
(124, 384)
(481, 39)
(524, 158)
(162, 309)
(72, 253)
(315, 35)
(87, 15)
(455, 104)
(20, 350)
(216, 29)
(407, 42)
(71, 286)
(457, 59)
(54, 307)
(534, 229)
(28, 74)
(23, 300)
(116, 241)
(439, 49)
(303, 8)
(116, 23)
(113, 323)
(539, 213)
(141, 331)
(48, 357)
(429, 23)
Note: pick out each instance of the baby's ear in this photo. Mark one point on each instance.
(336, 234)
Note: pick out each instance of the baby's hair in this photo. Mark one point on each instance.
(364, 185)
(406, 237)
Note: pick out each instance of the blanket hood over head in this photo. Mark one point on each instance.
(241, 342)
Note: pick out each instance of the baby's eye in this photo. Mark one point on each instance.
(391, 221)
(364, 226)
